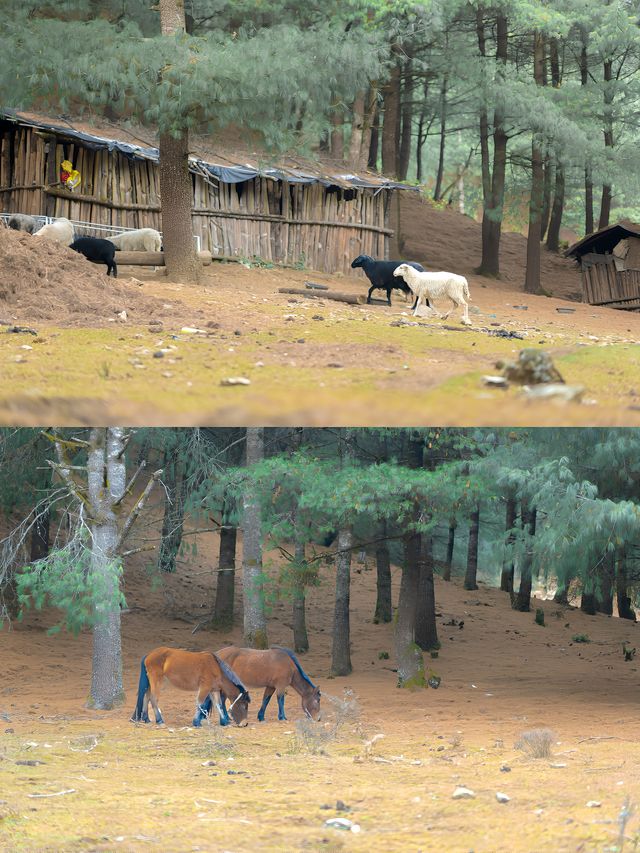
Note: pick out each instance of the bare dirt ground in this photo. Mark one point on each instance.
(273, 785)
(308, 361)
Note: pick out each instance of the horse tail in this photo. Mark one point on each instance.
(143, 686)
(296, 662)
(231, 675)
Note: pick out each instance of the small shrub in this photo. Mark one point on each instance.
(214, 744)
(313, 737)
(539, 620)
(629, 654)
(383, 655)
(581, 638)
(536, 743)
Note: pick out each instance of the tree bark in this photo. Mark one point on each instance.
(106, 478)
(255, 620)
(391, 121)
(555, 222)
(337, 134)
(404, 152)
(426, 629)
(493, 199)
(408, 654)
(522, 599)
(383, 566)
(588, 183)
(443, 136)
(604, 589)
(173, 521)
(508, 568)
(374, 142)
(225, 588)
(300, 636)
(546, 197)
(623, 599)
(176, 188)
(341, 649)
(605, 203)
(470, 581)
(40, 536)
(532, 278)
(451, 541)
(357, 130)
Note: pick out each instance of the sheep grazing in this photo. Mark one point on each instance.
(431, 285)
(380, 274)
(98, 251)
(61, 231)
(142, 240)
(23, 222)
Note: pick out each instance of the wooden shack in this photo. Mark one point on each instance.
(610, 265)
(285, 215)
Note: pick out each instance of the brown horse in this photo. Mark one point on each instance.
(200, 671)
(274, 669)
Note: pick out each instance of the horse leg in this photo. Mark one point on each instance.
(223, 702)
(203, 706)
(145, 708)
(268, 693)
(222, 711)
(281, 715)
(154, 695)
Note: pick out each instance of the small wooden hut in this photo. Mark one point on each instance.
(287, 215)
(610, 264)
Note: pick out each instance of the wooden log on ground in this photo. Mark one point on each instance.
(152, 259)
(351, 298)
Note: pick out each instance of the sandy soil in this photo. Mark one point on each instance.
(142, 787)
(309, 361)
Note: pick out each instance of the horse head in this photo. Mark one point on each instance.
(311, 704)
(239, 708)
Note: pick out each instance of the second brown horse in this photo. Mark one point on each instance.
(275, 669)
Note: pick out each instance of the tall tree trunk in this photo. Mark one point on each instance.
(532, 278)
(300, 636)
(623, 599)
(40, 536)
(555, 222)
(604, 590)
(357, 130)
(588, 183)
(225, 588)
(522, 599)
(472, 551)
(493, 201)
(605, 204)
(546, 196)
(374, 143)
(383, 587)
(451, 541)
(106, 480)
(255, 620)
(370, 110)
(508, 568)
(341, 649)
(390, 125)
(443, 136)
(404, 152)
(408, 654)
(173, 522)
(426, 629)
(588, 598)
(176, 189)
(337, 134)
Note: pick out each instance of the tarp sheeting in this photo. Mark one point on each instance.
(226, 174)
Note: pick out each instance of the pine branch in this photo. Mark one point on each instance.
(137, 509)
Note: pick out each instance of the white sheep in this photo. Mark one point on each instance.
(431, 285)
(142, 240)
(61, 231)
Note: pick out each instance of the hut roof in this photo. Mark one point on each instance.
(604, 240)
(229, 172)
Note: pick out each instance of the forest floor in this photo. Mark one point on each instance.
(308, 361)
(81, 780)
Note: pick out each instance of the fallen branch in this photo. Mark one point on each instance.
(351, 298)
(57, 794)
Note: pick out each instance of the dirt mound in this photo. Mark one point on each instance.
(446, 239)
(40, 280)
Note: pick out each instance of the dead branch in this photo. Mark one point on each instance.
(132, 481)
(137, 509)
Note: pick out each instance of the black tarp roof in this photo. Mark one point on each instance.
(226, 174)
(603, 241)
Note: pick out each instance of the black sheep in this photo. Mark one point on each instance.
(380, 274)
(98, 251)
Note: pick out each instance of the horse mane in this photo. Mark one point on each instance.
(297, 663)
(233, 678)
